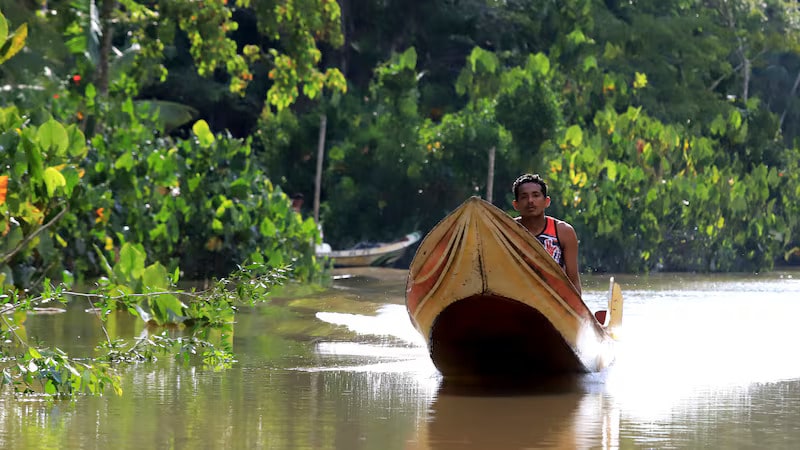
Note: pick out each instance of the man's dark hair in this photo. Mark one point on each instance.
(298, 196)
(528, 178)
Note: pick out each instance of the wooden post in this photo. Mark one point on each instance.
(490, 177)
(323, 126)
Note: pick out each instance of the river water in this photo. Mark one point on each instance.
(703, 362)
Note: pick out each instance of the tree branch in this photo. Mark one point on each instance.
(21, 245)
(723, 77)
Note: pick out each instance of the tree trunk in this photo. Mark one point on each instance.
(347, 30)
(791, 96)
(323, 126)
(490, 176)
(745, 75)
(106, 10)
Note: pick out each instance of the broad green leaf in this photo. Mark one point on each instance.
(159, 231)
(169, 307)
(203, 133)
(131, 261)
(77, 142)
(169, 114)
(15, 44)
(276, 259)
(35, 163)
(611, 168)
(539, 63)
(735, 119)
(194, 182)
(76, 44)
(3, 29)
(53, 179)
(267, 228)
(589, 63)
(718, 125)
(155, 277)
(488, 60)
(124, 162)
(612, 51)
(773, 176)
(574, 135)
(90, 92)
(408, 59)
(226, 203)
(576, 37)
(127, 106)
(240, 188)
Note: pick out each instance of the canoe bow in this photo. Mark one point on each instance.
(487, 297)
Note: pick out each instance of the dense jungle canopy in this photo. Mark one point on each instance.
(667, 130)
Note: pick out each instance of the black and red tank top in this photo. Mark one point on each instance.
(549, 239)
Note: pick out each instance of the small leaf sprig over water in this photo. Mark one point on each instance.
(180, 324)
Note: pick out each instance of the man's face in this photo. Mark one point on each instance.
(530, 200)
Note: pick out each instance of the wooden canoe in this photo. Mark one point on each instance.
(382, 254)
(490, 301)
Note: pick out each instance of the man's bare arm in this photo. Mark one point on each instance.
(569, 245)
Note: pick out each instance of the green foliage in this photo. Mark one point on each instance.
(11, 44)
(208, 31)
(205, 327)
(535, 75)
(457, 150)
(121, 195)
(198, 204)
(374, 133)
(529, 108)
(53, 373)
(42, 179)
(654, 197)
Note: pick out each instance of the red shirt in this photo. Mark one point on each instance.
(549, 239)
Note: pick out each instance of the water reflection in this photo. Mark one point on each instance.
(691, 368)
(557, 413)
(705, 362)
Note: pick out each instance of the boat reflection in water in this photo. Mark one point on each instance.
(554, 413)
(569, 411)
(691, 371)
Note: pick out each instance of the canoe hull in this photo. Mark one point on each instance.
(486, 335)
(489, 300)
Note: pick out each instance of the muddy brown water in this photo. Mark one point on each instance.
(703, 362)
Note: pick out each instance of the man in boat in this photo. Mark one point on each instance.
(557, 237)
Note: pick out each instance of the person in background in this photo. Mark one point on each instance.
(297, 202)
(557, 237)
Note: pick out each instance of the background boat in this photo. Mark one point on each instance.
(370, 254)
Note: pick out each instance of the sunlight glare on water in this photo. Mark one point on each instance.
(678, 343)
(391, 326)
(391, 320)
